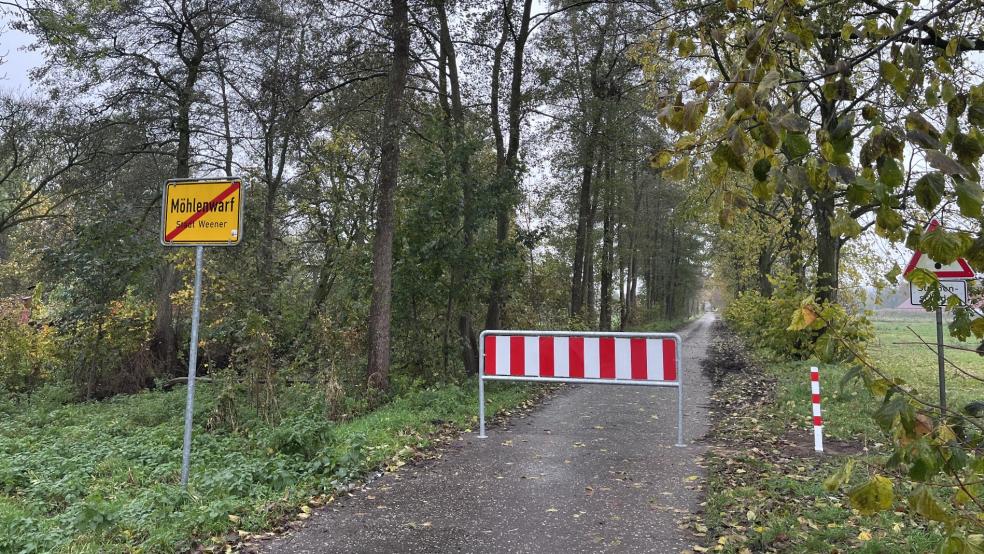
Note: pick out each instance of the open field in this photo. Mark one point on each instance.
(894, 351)
(897, 353)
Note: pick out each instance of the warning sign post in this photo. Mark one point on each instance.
(952, 282)
(199, 213)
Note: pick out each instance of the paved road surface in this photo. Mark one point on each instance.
(592, 470)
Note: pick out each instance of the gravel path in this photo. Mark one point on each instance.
(593, 469)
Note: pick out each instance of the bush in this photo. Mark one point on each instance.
(789, 326)
(104, 351)
(764, 321)
(25, 355)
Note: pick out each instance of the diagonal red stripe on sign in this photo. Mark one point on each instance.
(198, 215)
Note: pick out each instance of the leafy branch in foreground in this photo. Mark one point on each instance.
(935, 453)
(858, 114)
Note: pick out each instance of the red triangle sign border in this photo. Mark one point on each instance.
(965, 273)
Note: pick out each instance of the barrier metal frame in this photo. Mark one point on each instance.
(482, 377)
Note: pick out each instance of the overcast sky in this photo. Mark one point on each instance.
(17, 59)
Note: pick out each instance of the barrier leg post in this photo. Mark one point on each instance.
(680, 413)
(481, 407)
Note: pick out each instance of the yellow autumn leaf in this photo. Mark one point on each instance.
(661, 159)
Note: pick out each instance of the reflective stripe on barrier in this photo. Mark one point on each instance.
(651, 359)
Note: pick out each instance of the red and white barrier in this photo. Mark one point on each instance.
(575, 357)
(817, 418)
(651, 359)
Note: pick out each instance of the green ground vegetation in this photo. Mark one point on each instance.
(766, 487)
(103, 476)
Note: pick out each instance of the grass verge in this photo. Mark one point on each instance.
(765, 487)
(103, 476)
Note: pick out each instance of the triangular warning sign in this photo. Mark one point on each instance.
(959, 269)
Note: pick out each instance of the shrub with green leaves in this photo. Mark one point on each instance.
(25, 355)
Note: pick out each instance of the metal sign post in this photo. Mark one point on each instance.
(948, 288)
(942, 359)
(196, 307)
(199, 213)
(958, 269)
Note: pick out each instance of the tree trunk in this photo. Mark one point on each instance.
(824, 204)
(607, 253)
(583, 232)
(266, 261)
(382, 251)
(765, 259)
(633, 277)
(509, 175)
(797, 265)
(186, 99)
(453, 106)
(226, 119)
(828, 249)
(164, 340)
(588, 290)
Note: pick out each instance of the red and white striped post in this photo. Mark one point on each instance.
(817, 418)
(648, 359)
